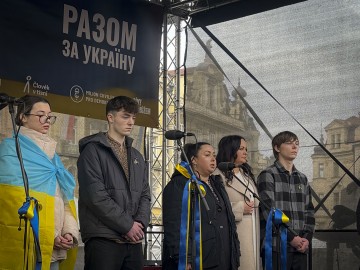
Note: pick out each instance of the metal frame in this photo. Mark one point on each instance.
(163, 153)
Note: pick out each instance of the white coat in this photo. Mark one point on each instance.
(247, 226)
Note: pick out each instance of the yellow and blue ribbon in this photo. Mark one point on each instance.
(276, 217)
(29, 211)
(190, 187)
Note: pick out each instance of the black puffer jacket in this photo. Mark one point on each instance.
(211, 242)
(108, 203)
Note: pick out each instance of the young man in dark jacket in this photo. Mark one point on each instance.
(114, 194)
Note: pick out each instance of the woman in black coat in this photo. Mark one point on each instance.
(220, 244)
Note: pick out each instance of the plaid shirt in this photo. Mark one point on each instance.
(291, 194)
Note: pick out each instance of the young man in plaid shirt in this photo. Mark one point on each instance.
(282, 186)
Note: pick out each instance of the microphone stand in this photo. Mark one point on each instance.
(23, 210)
(193, 194)
(276, 227)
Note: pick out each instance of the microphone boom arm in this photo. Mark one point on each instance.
(264, 204)
(193, 198)
(193, 176)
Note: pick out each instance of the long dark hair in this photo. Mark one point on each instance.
(227, 152)
(26, 106)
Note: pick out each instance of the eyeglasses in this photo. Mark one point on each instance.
(45, 118)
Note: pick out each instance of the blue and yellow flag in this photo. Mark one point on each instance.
(42, 174)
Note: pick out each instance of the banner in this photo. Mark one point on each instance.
(80, 54)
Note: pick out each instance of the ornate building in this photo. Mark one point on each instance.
(211, 112)
(343, 141)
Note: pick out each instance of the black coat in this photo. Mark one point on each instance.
(211, 243)
(108, 203)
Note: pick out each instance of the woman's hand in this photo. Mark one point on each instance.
(248, 208)
(64, 242)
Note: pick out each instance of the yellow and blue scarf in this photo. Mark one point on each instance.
(186, 211)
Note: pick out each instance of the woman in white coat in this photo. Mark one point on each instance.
(240, 186)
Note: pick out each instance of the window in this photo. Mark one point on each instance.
(338, 140)
(321, 170)
(336, 198)
(212, 139)
(335, 139)
(71, 130)
(336, 170)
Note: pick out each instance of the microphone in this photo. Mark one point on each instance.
(176, 134)
(5, 99)
(228, 166)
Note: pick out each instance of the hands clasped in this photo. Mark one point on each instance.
(248, 208)
(301, 244)
(64, 242)
(136, 232)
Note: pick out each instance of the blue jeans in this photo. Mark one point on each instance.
(54, 265)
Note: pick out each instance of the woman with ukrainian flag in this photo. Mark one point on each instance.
(50, 186)
(216, 241)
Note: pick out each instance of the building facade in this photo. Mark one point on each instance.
(330, 182)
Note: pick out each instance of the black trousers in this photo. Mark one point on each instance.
(294, 261)
(102, 253)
